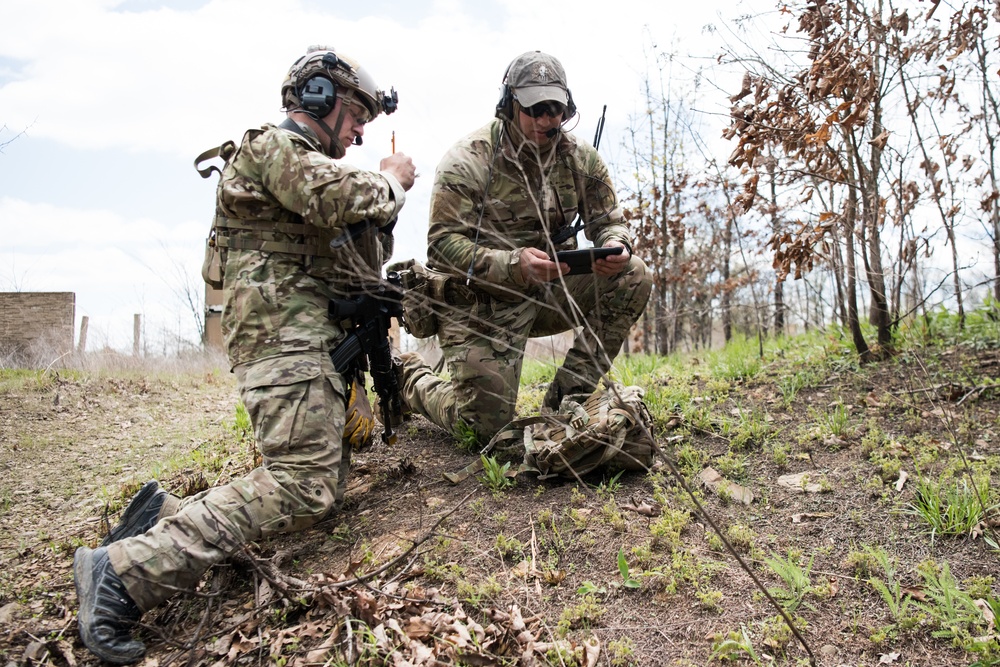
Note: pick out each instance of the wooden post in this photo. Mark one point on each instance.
(82, 346)
(136, 328)
(213, 318)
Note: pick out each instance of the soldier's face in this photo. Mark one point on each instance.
(538, 123)
(355, 118)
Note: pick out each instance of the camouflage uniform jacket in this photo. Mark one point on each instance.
(276, 303)
(520, 204)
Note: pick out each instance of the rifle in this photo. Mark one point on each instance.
(366, 346)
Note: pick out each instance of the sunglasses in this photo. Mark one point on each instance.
(358, 110)
(553, 109)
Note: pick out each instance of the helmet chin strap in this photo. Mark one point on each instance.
(336, 148)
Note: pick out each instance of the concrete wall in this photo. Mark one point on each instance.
(32, 319)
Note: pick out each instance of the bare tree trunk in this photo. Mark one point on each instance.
(647, 332)
(136, 333)
(727, 251)
(991, 116)
(779, 284)
(898, 273)
(850, 223)
(872, 212)
(930, 169)
(648, 344)
(840, 305)
(681, 306)
(663, 342)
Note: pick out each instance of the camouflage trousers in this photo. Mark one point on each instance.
(483, 345)
(297, 405)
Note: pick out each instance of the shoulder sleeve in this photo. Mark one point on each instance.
(457, 200)
(324, 192)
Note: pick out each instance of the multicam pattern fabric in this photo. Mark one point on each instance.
(276, 303)
(278, 336)
(483, 345)
(296, 404)
(483, 340)
(512, 197)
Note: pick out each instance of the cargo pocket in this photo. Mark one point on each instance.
(273, 392)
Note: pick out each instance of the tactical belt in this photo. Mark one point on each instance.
(235, 234)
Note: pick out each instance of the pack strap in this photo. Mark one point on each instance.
(517, 430)
(298, 228)
(231, 243)
(225, 151)
(465, 473)
(477, 466)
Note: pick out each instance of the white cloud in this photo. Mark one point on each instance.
(176, 81)
(168, 83)
(116, 265)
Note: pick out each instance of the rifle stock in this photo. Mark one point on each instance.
(367, 346)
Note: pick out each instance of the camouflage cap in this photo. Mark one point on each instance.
(537, 77)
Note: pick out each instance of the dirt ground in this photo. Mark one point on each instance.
(493, 578)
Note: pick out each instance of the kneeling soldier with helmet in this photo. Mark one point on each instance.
(284, 207)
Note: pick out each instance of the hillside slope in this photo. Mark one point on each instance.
(622, 570)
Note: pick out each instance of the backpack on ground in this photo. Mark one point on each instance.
(612, 430)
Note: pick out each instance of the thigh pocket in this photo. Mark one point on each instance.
(276, 393)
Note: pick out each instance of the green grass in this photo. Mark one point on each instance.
(949, 508)
(750, 430)
(790, 384)
(981, 330)
(738, 361)
(494, 475)
(833, 421)
(641, 369)
(796, 579)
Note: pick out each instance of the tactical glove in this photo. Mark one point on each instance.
(360, 424)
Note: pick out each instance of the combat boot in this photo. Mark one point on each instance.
(107, 614)
(140, 515)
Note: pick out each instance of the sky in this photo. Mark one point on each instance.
(105, 103)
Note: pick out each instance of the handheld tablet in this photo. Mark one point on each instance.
(581, 261)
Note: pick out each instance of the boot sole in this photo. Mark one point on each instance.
(83, 578)
(141, 501)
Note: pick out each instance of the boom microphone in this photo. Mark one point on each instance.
(553, 132)
(357, 140)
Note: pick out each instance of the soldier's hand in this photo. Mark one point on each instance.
(400, 166)
(537, 268)
(612, 265)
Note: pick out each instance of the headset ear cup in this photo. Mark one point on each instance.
(505, 107)
(318, 95)
(570, 104)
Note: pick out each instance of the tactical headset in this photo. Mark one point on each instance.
(505, 106)
(319, 93)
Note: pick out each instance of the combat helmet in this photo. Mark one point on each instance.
(317, 79)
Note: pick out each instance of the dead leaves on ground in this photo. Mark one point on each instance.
(398, 625)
